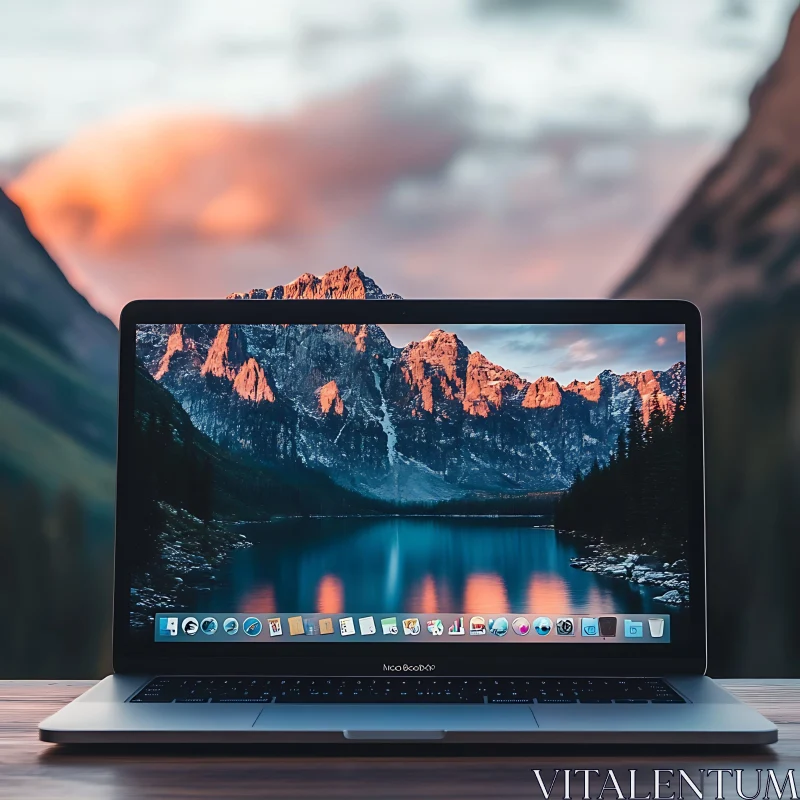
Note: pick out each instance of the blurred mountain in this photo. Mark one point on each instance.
(58, 356)
(734, 250)
(35, 289)
(57, 448)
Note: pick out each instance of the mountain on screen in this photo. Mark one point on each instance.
(428, 421)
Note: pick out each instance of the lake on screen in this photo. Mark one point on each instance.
(414, 564)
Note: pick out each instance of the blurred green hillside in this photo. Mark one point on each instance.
(57, 442)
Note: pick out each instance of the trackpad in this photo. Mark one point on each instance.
(372, 721)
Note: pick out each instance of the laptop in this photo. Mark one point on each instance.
(410, 521)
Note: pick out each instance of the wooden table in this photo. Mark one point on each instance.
(30, 769)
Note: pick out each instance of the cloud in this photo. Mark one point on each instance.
(191, 177)
(498, 156)
(672, 64)
(390, 177)
(582, 352)
(601, 7)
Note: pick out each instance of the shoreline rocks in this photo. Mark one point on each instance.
(191, 556)
(641, 569)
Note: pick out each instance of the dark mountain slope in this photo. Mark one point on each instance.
(188, 490)
(734, 250)
(57, 445)
(58, 356)
(737, 238)
(235, 487)
(35, 296)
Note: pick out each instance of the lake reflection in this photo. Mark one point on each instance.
(424, 565)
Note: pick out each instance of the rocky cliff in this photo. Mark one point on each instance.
(345, 283)
(429, 421)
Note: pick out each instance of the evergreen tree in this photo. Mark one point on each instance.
(639, 498)
(635, 437)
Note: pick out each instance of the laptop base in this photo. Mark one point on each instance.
(104, 715)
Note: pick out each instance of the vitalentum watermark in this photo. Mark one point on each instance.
(666, 784)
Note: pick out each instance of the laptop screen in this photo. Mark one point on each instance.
(505, 484)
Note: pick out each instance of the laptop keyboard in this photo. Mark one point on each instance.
(178, 689)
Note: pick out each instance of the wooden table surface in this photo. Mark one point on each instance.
(31, 769)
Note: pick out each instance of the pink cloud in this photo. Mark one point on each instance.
(661, 341)
(142, 179)
(383, 178)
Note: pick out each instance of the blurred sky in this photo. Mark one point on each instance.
(477, 148)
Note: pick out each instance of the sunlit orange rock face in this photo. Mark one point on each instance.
(251, 383)
(360, 333)
(440, 367)
(650, 391)
(645, 383)
(330, 401)
(436, 367)
(225, 356)
(543, 393)
(487, 384)
(345, 283)
(175, 344)
(589, 391)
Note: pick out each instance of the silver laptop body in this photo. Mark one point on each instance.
(408, 521)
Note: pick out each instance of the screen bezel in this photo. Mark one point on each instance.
(685, 654)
